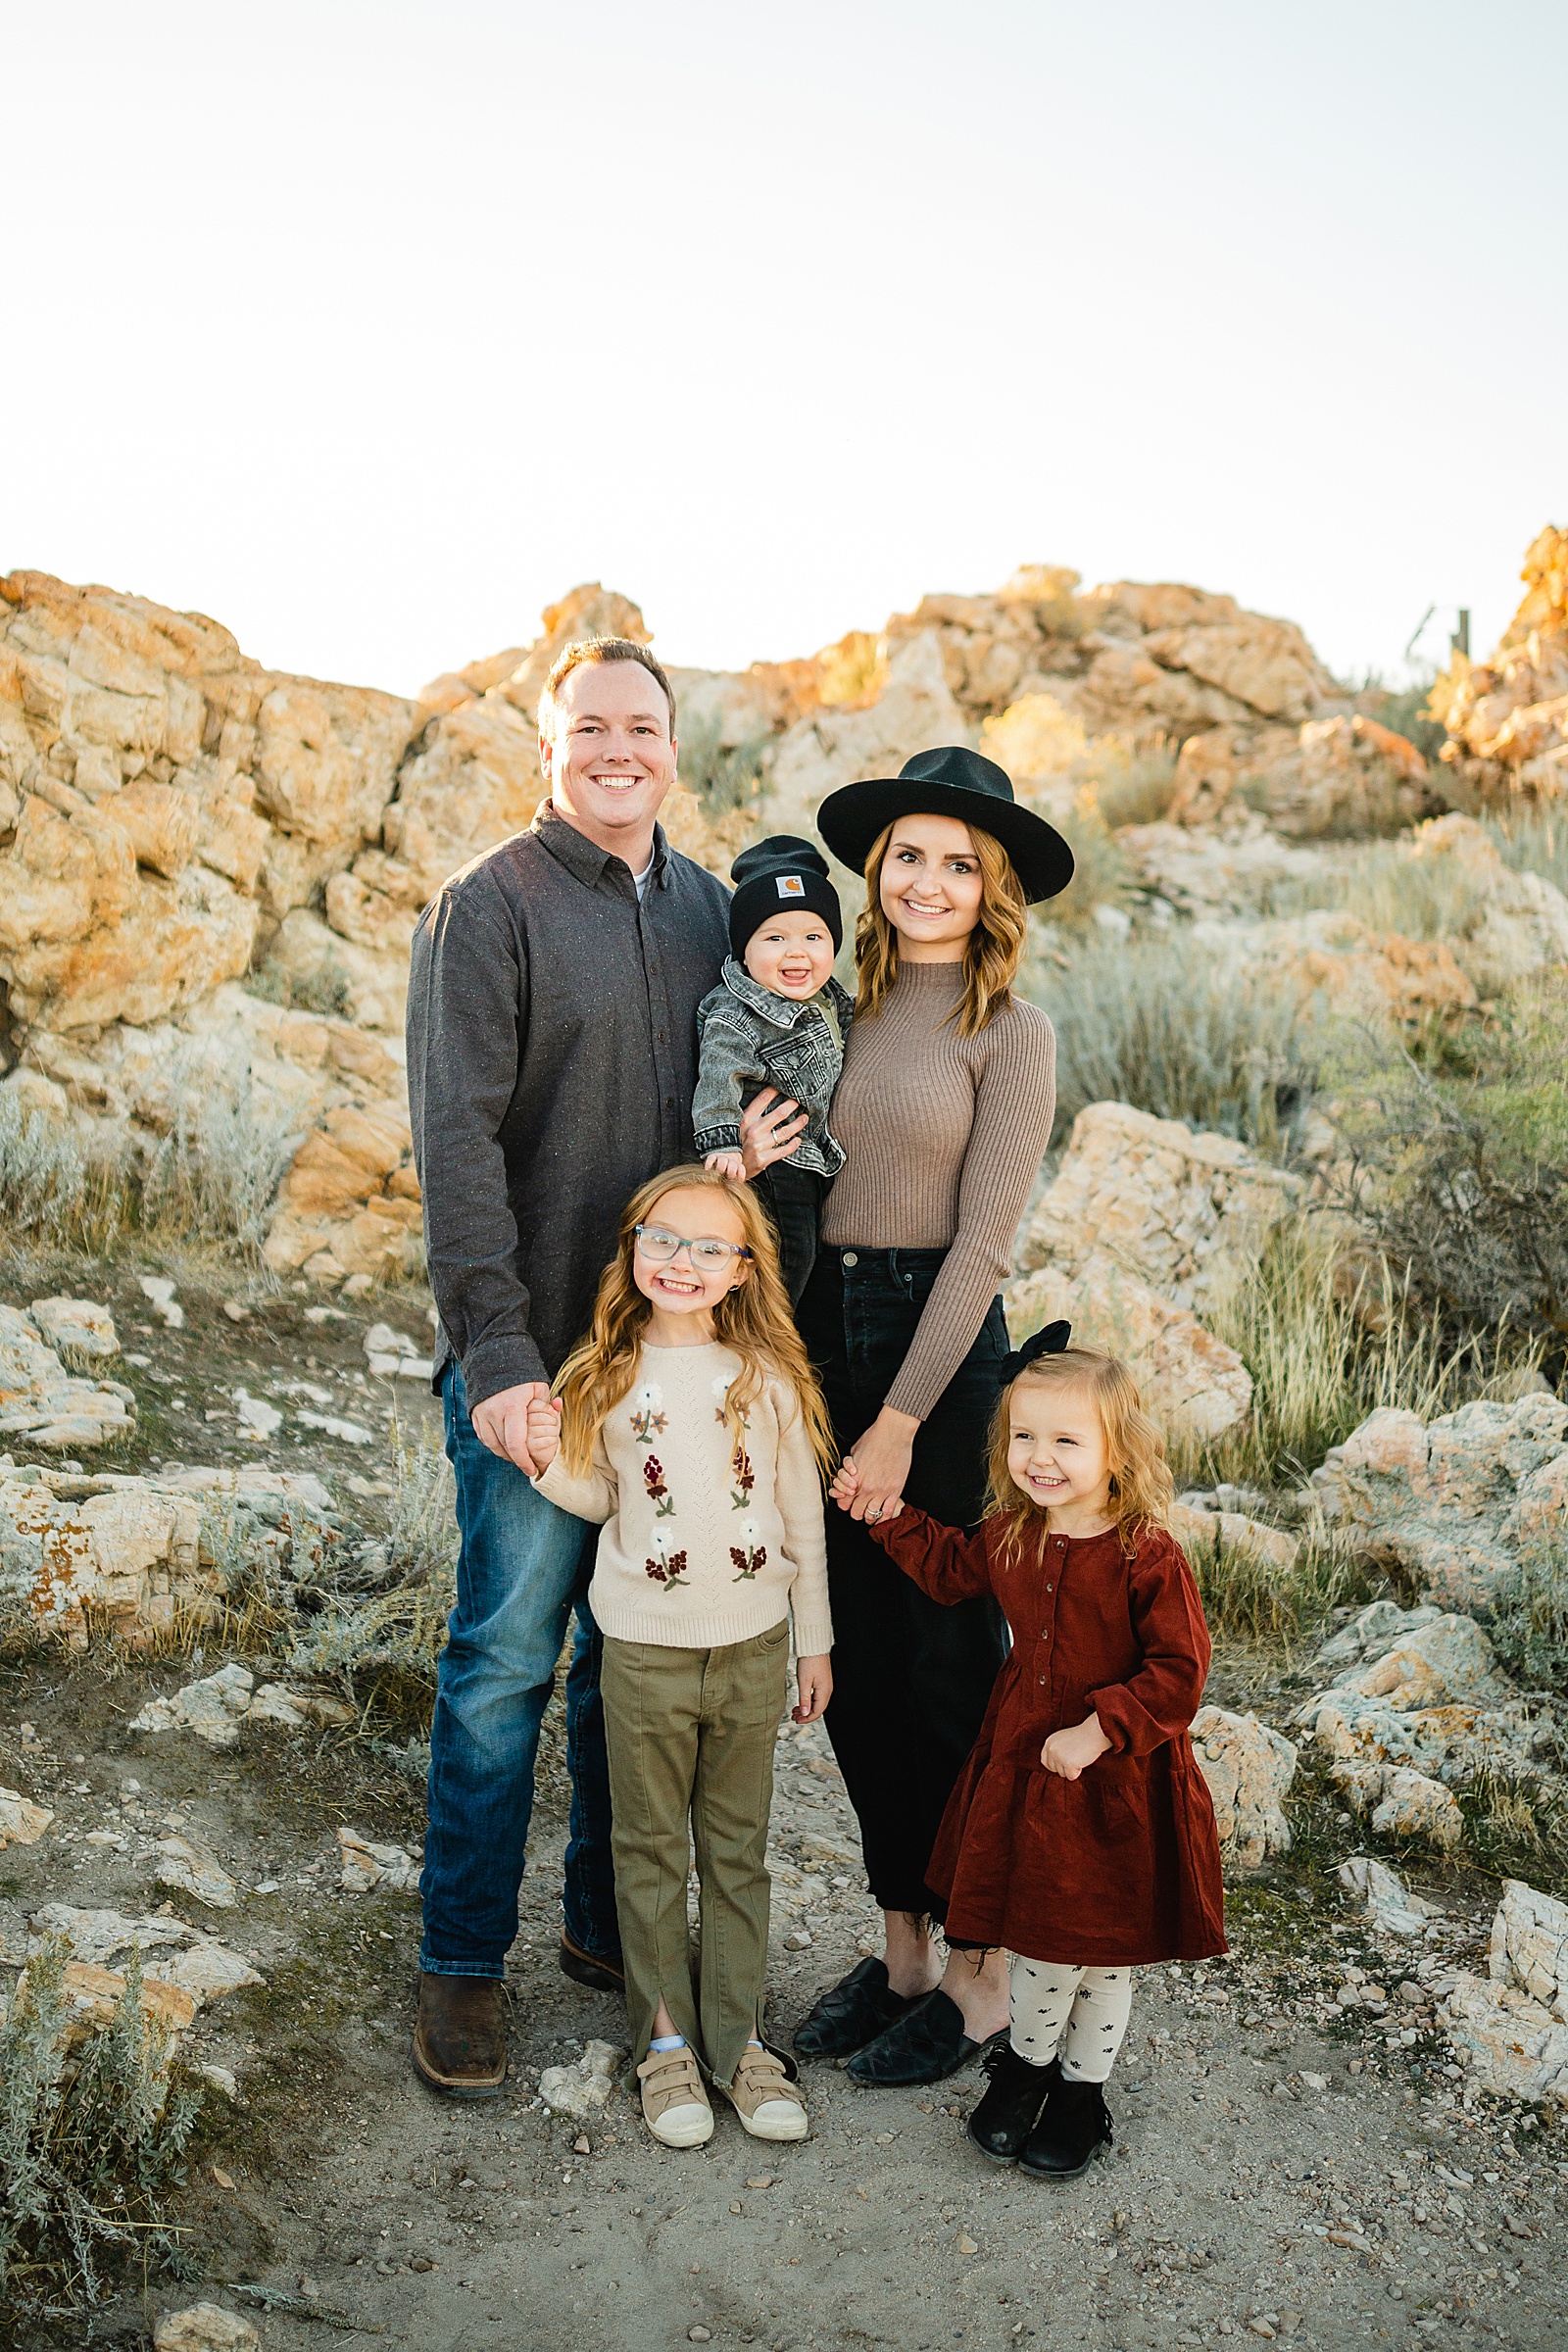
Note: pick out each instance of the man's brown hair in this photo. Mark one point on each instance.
(583, 649)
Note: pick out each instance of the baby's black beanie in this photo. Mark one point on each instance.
(777, 874)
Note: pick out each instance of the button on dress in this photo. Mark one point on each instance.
(1121, 1866)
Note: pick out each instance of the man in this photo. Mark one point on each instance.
(551, 1058)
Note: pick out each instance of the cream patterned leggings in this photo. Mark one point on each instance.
(1078, 2013)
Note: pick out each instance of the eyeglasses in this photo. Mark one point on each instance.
(707, 1254)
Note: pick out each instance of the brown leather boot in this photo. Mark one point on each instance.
(460, 2043)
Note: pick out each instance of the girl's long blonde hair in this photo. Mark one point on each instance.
(753, 1320)
(992, 952)
(1141, 1488)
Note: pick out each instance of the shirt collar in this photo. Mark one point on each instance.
(782, 1012)
(584, 859)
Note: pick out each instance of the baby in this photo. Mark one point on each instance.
(778, 1018)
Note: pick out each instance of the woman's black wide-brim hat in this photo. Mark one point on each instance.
(949, 782)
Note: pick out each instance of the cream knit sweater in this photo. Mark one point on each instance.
(704, 1541)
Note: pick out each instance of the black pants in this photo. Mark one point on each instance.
(910, 1678)
(793, 1198)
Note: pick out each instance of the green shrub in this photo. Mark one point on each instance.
(1460, 1174)
(58, 1188)
(1325, 1349)
(1152, 1022)
(1532, 841)
(1133, 784)
(89, 2143)
(400, 1626)
(215, 1174)
(1390, 888)
(724, 776)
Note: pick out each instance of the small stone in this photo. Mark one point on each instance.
(161, 1294)
(699, 2335)
(736, 2205)
(235, 1313)
(967, 2245)
(205, 2327)
(1262, 2328)
(760, 2180)
(1315, 2082)
(224, 2180)
(421, 2262)
(581, 2146)
(22, 1823)
(796, 1940)
(195, 1872)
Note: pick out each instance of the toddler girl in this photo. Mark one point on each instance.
(689, 1426)
(1080, 1834)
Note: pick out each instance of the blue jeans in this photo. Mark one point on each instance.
(523, 1567)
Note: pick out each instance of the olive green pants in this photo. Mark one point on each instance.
(691, 1736)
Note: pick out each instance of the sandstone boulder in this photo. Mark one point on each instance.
(1450, 1506)
(1397, 1802)
(1238, 868)
(22, 1822)
(830, 747)
(1249, 1767)
(365, 1864)
(1191, 1382)
(1507, 717)
(194, 1963)
(1350, 778)
(41, 1402)
(1222, 1532)
(1530, 1946)
(1188, 1213)
(1511, 2046)
(191, 1870)
(75, 1328)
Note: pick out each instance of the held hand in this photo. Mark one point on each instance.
(502, 1423)
(544, 1431)
(881, 1466)
(727, 1163)
(1070, 1753)
(771, 1129)
(815, 1680)
(846, 1482)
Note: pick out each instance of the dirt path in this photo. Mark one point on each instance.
(1278, 2169)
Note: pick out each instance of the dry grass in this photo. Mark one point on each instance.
(1148, 1022)
(1325, 1351)
(1251, 1599)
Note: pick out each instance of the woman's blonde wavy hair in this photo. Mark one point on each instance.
(992, 953)
(753, 1320)
(1141, 1488)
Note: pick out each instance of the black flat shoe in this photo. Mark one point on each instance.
(1073, 2126)
(925, 2046)
(1010, 2107)
(860, 2007)
(600, 1976)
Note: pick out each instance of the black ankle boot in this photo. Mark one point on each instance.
(1073, 2126)
(1014, 2098)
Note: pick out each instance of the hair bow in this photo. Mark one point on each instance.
(1049, 1342)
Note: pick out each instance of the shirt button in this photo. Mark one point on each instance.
(849, 1258)
(1042, 1678)
(1050, 1588)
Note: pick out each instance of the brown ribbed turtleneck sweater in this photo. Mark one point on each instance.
(944, 1135)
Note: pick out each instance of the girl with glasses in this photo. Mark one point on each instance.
(690, 1427)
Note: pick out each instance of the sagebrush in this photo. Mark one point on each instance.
(91, 2141)
(1153, 1022)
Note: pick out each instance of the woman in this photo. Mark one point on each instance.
(943, 1112)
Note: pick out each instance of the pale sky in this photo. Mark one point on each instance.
(370, 330)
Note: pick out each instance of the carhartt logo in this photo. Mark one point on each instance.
(790, 886)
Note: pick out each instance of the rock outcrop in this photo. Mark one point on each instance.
(1451, 1505)
(1427, 1710)
(1510, 2028)
(1188, 1213)
(1507, 717)
(1248, 1768)
(133, 1552)
(43, 1402)
(1191, 1382)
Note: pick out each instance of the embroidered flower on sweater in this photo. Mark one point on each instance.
(750, 1554)
(719, 1389)
(648, 1418)
(658, 1494)
(745, 1477)
(669, 1573)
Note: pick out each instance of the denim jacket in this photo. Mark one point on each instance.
(749, 1038)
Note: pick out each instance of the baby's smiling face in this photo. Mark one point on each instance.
(792, 954)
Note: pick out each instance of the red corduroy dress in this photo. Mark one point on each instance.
(1120, 1865)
